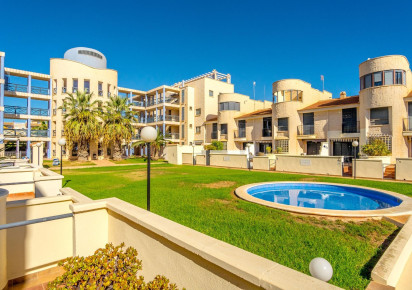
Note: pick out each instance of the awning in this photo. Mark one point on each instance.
(346, 139)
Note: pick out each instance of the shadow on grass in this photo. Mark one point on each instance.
(368, 267)
(66, 182)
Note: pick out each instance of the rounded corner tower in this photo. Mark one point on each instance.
(87, 56)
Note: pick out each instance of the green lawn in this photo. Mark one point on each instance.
(202, 198)
(134, 160)
(66, 163)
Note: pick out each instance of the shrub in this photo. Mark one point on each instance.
(268, 149)
(376, 148)
(216, 145)
(107, 268)
(279, 150)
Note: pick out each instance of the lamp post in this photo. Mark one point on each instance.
(38, 152)
(148, 135)
(354, 145)
(61, 142)
(248, 155)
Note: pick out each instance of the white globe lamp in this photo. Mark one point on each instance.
(148, 134)
(321, 269)
(61, 142)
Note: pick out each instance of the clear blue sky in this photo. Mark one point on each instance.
(152, 43)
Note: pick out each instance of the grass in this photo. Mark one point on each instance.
(66, 163)
(202, 198)
(135, 160)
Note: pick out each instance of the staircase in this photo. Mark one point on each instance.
(390, 171)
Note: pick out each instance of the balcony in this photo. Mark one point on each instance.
(407, 126)
(39, 112)
(15, 132)
(54, 91)
(15, 110)
(100, 93)
(168, 118)
(16, 88)
(223, 136)
(39, 133)
(64, 90)
(74, 89)
(241, 133)
(40, 91)
(306, 130)
(267, 133)
(214, 135)
(172, 136)
(350, 127)
(137, 104)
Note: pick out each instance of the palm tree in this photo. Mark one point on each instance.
(83, 123)
(118, 119)
(156, 145)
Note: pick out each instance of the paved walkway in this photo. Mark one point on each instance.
(103, 162)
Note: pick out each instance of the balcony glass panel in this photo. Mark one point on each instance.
(15, 110)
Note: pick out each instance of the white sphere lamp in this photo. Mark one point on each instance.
(62, 142)
(321, 269)
(148, 134)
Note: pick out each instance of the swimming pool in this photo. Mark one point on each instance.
(326, 198)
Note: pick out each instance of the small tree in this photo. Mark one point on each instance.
(216, 145)
(268, 149)
(279, 149)
(107, 268)
(376, 148)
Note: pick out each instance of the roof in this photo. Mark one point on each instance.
(333, 103)
(256, 113)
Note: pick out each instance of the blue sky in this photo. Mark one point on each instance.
(152, 43)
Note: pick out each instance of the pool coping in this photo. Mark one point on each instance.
(405, 208)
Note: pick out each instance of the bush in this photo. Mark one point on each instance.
(268, 149)
(279, 150)
(376, 148)
(107, 268)
(216, 145)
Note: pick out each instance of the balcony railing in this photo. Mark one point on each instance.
(39, 133)
(100, 93)
(109, 94)
(63, 134)
(223, 136)
(304, 130)
(54, 133)
(266, 132)
(74, 89)
(40, 112)
(64, 90)
(40, 91)
(15, 132)
(137, 104)
(136, 137)
(54, 91)
(15, 110)
(350, 127)
(172, 136)
(214, 135)
(407, 124)
(15, 88)
(241, 133)
(151, 119)
(170, 118)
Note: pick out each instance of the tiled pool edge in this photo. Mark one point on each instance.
(405, 208)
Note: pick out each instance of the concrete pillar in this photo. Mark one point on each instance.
(48, 150)
(157, 101)
(29, 84)
(164, 110)
(37, 157)
(17, 148)
(28, 149)
(3, 248)
(145, 111)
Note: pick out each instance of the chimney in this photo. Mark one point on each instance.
(342, 95)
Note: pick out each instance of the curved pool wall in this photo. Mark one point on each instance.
(328, 199)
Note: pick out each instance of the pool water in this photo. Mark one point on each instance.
(324, 196)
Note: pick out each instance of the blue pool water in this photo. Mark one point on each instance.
(325, 196)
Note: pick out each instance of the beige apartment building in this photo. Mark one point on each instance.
(303, 120)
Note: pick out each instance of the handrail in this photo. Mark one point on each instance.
(39, 112)
(39, 91)
(15, 110)
(35, 221)
(15, 88)
(304, 130)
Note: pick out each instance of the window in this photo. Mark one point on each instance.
(398, 77)
(377, 79)
(183, 131)
(223, 128)
(190, 126)
(198, 128)
(87, 86)
(198, 112)
(368, 81)
(183, 113)
(88, 52)
(287, 96)
(242, 128)
(282, 146)
(362, 82)
(190, 108)
(229, 106)
(380, 116)
(75, 85)
(210, 93)
(183, 97)
(388, 77)
(387, 139)
(283, 125)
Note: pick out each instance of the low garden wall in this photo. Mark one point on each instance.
(261, 163)
(200, 159)
(329, 165)
(404, 169)
(368, 168)
(187, 158)
(228, 160)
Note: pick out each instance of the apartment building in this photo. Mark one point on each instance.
(179, 111)
(303, 120)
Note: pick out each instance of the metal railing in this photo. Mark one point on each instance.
(137, 104)
(74, 89)
(351, 127)
(40, 112)
(266, 132)
(15, 132)
(304, 130)
(14, 154)
(54, 90)
(15, 88)
(172, 136)
(241, 133)
(54, 112)
(15, 110)
(64, 90)
(170, 118)
(54, 133)
(109, 94)
(151, 119)
(100, 93)
(223, 136)
(407, 124)
(39, 133)
(214, 135)
(40, 91)
(283, 128)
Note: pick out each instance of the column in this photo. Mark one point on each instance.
(17, 148)
(145, 111)
(28, 150)
(164, 110)
(49, 149)
(1, 92)
(131, 98)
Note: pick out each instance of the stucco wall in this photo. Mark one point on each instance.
(368, 168)
(404, 169)
(187, 158)
(228, 160)
(329, 165)
(261, 163)
(201, 159)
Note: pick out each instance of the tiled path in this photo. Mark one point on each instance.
(36, 281)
